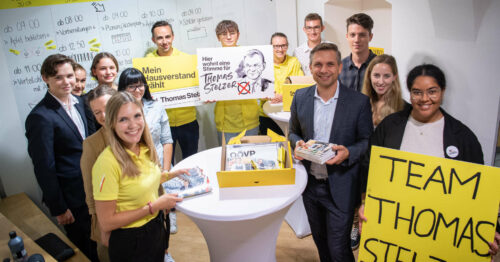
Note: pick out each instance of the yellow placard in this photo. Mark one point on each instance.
(423, 208)
(377, 50)
(10, 4)
(289, 92)
(167, 73)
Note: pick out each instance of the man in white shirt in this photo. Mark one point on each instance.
(332, 113)
(55, 129)
(313, 26)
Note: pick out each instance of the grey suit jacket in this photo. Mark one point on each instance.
(352, 127)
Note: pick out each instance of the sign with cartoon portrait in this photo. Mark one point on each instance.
(235, 73)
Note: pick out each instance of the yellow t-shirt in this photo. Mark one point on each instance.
(236, 115)
(182, 115)
(129, 192)
(289, 67)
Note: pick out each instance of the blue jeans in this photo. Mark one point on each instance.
(228, 136)
(187, 135)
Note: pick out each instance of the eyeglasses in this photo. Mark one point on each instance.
(432, 93)
(277, 47)
(315, 28)
(132, 88)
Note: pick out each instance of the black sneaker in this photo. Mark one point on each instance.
(355, 238)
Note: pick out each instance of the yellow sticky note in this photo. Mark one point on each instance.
(14, 51)
(48, 43)
(52, 47)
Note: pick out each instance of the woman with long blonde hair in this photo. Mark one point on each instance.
(381, 85)
(126, 179)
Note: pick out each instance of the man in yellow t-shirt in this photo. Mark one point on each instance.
(284, 66)
(183, 123)
(232, 117)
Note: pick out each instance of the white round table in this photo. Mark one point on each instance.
(276, 113)
(296, 217)
(239, 229)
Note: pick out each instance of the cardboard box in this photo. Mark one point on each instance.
(248, 178)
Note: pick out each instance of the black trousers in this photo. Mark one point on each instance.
(145, 243)
(330, 227)
(187, 136)
(79, 232)
(265, 123)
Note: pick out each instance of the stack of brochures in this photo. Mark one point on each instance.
(316, 151)
(195, 183)
(259, 156)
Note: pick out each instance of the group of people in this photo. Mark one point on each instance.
(100, 157)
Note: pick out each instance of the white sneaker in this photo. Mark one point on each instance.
(173, 222)
(168, 258)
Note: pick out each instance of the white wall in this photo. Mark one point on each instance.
(286, 20)
(468, 54)
(458, 36)
(337, 11)
(16, 172)
(305, 7)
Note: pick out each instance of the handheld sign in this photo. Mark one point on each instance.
(172, 80)
(234, 73)
(377, 50)
(424, 208)
(289, 92)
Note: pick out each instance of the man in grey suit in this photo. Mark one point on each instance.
(330, 112)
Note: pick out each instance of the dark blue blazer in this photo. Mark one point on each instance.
(352, 127)
(55, 147)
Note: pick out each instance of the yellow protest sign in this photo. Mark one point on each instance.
(377, 50)
(172, 80)
(424, 208)
(289, 92)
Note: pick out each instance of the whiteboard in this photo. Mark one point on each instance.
(83, 28)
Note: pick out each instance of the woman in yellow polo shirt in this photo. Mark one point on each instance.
(126, 180)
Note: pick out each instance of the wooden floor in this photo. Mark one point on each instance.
(189, 245)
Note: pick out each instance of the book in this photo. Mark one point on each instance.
(258, 156)
(316, 151)
(195, 183)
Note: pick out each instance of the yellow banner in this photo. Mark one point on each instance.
(423, 208)
(10, 4)
(172, 80)
(377, 50)
(289, 92)
(167, 73)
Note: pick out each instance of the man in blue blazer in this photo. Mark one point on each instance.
(55, 129)
(330, 112)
